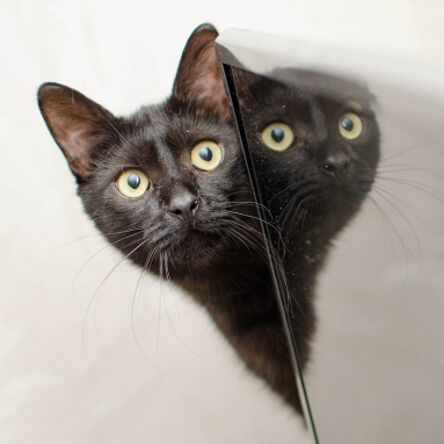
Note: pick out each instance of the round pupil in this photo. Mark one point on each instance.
(205, 153)
(277, 134)
(347, 123)
(133, 180)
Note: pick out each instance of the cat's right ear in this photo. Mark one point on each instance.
(80, 127)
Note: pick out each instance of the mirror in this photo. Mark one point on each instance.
(346, 169)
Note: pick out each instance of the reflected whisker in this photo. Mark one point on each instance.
(380, 191)
(415, 185)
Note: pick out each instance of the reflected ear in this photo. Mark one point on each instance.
(81, 127)
(198, 77)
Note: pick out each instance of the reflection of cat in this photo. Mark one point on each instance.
(167, 186)
(314, 148)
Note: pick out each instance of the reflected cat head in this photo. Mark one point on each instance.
(314, 146)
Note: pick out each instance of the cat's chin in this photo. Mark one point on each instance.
(193, 249)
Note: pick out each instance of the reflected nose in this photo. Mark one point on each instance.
(336, 164)
(184, 204)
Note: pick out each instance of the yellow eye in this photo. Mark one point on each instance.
(206, 155)
(132, 183)
(350, 126)
(278, 136)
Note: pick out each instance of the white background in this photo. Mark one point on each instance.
(182, 383)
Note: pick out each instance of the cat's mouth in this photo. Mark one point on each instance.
(190, 245)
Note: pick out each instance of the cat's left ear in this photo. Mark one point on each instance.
(198, 78)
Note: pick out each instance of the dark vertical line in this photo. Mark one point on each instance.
(279, 283)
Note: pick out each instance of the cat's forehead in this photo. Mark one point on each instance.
(177, 124)
(269, 98)
(150, 120)
(294, 100)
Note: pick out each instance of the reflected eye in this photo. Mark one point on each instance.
(206, 155)
(350, 126)
(132, 183)
(278, 136)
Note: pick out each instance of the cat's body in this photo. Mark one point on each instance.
(228, 274)
(195, 227)
(168, 187)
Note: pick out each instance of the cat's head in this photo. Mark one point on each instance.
(315, 147)
(159, 183)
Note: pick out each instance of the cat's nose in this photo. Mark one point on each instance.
(336, 164)
(184, 204)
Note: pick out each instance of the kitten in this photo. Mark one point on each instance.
(167, 186)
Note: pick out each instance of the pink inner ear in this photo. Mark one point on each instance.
(76, 138)
(79, 142)
(78, 125)
(208, 86)
(199, 78)
(212, 95)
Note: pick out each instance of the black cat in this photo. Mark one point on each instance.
(168, 187)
